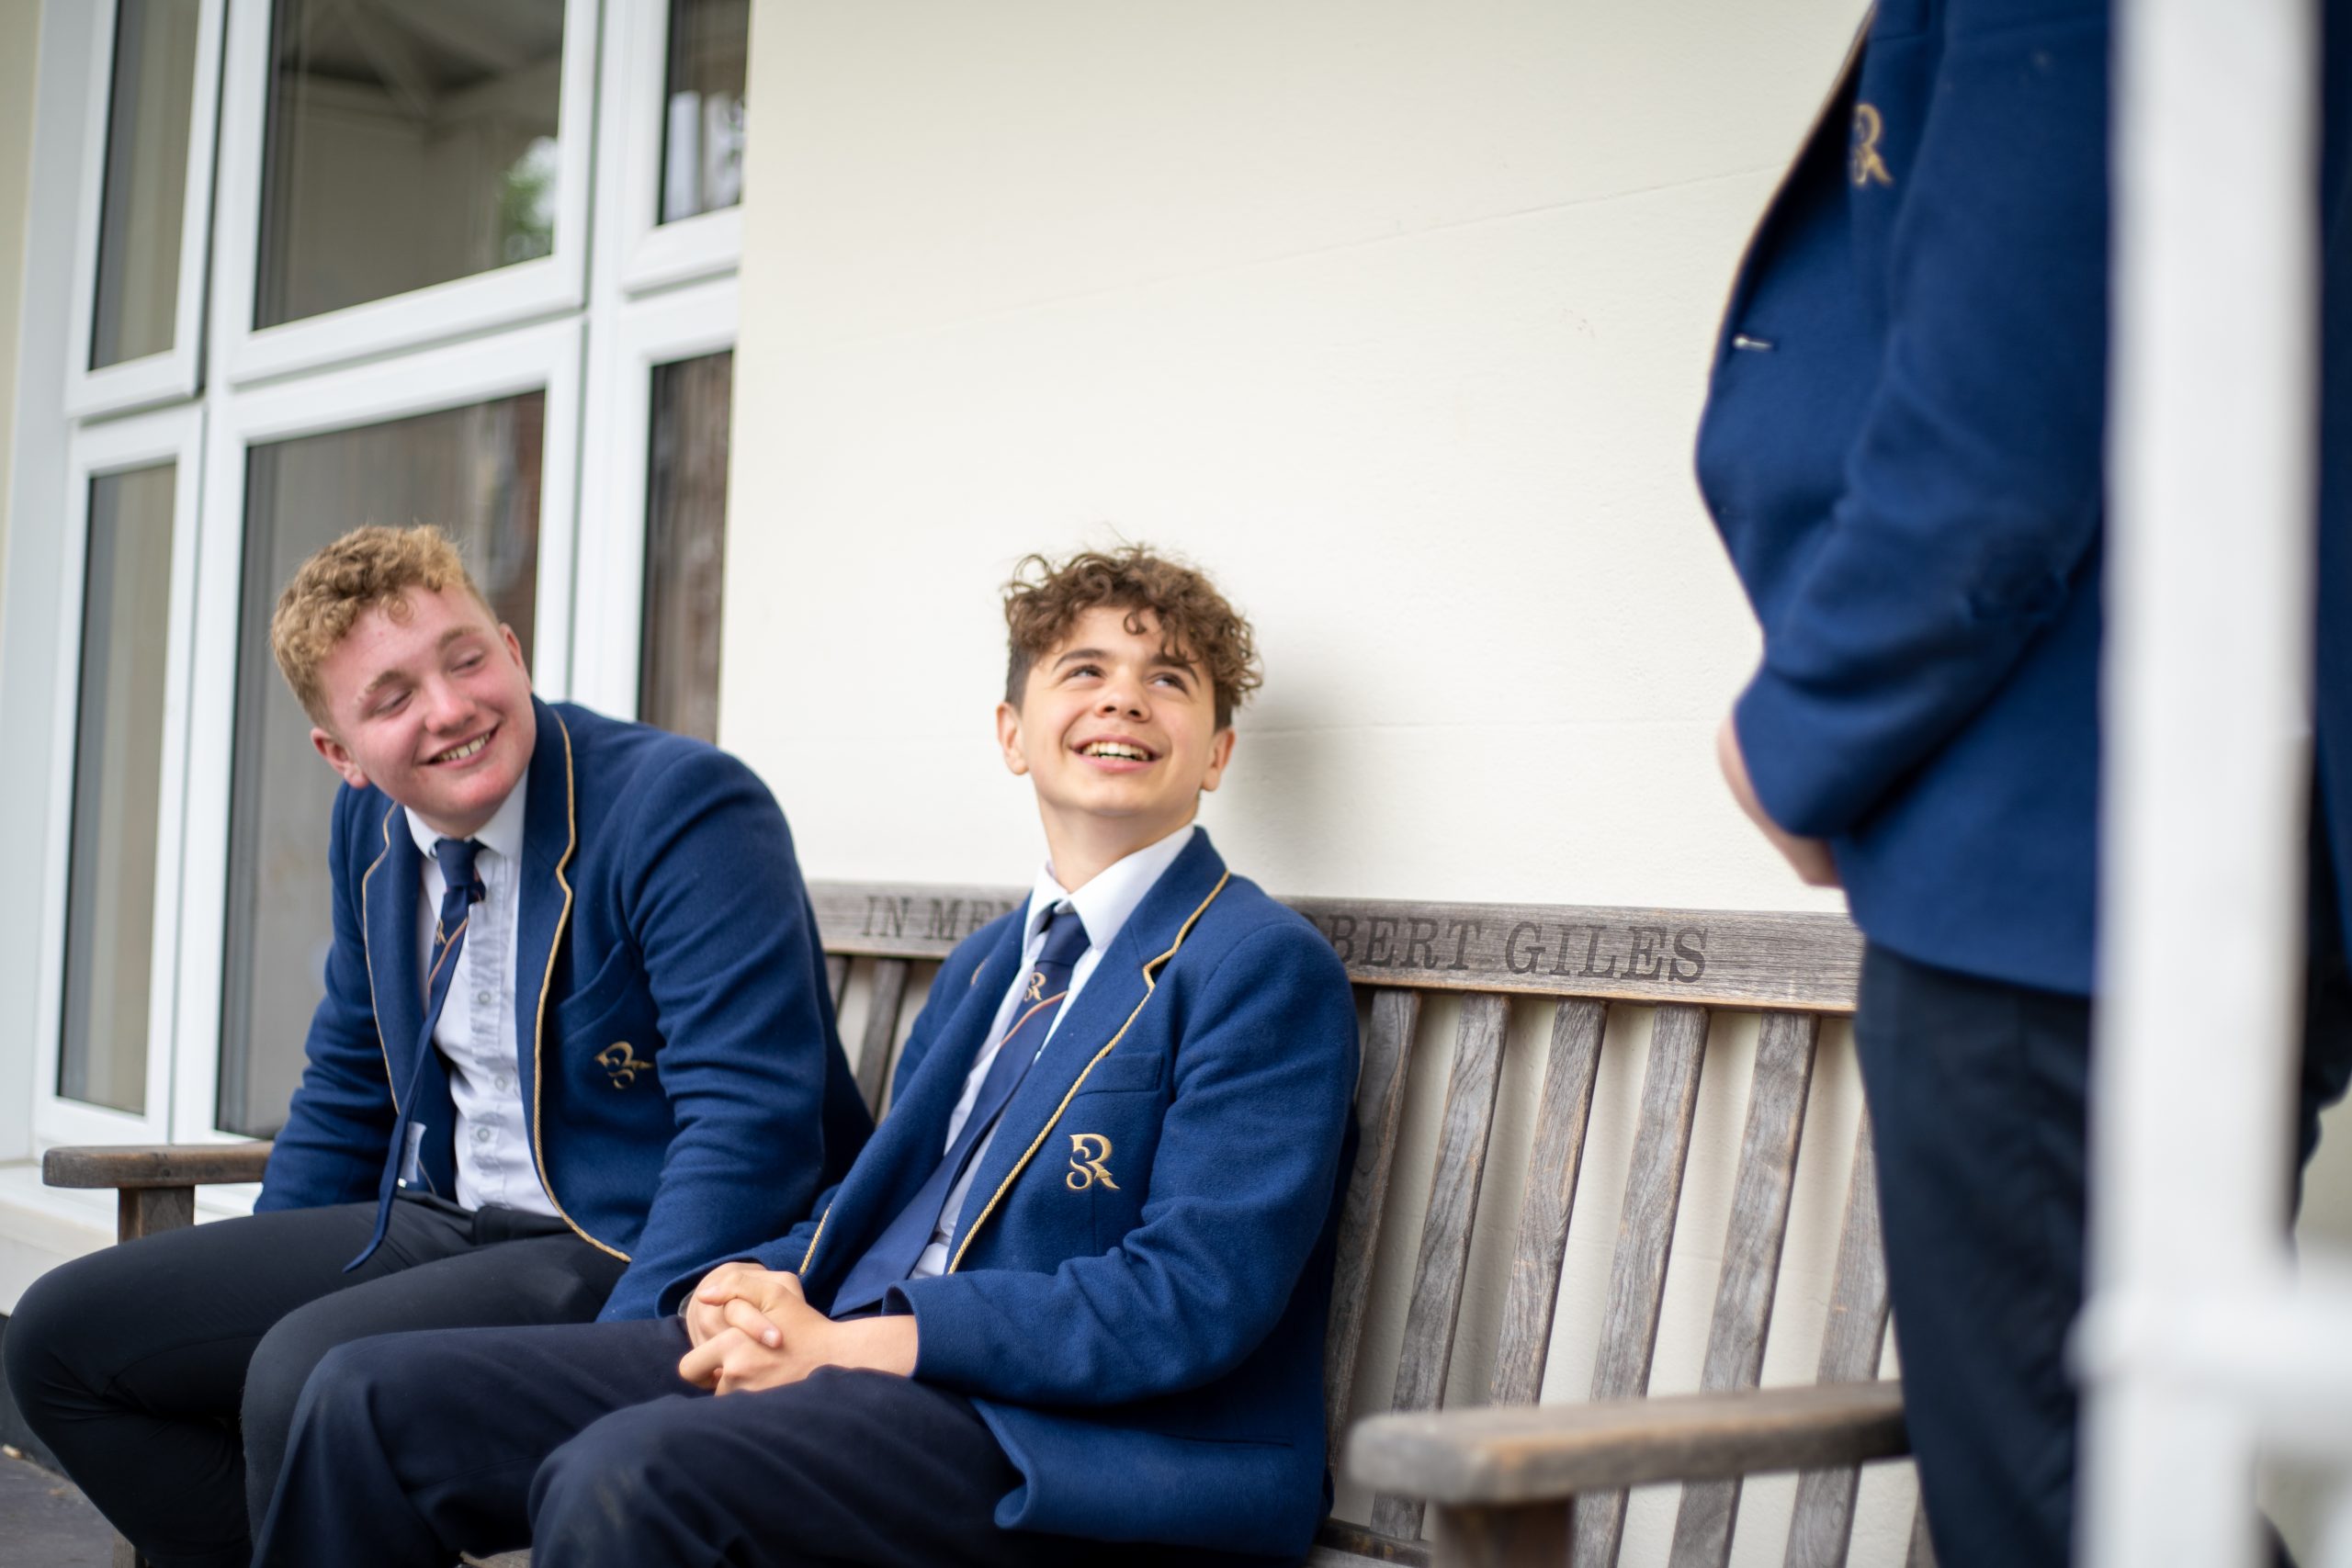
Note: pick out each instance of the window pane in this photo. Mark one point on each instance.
(702, 141)
(118, 770)
(410, 143)
(146, 180)
(475, 472)
(685, 545)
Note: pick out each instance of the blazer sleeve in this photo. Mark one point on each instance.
(1241, 1187)
(785, 1254)
(340, 1125)
(1972, 495)
(780, 1256)
(713, 901)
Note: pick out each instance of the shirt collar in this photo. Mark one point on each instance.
(1106, 903)
(502, 834)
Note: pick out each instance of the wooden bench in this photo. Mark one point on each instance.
(1508, 1481)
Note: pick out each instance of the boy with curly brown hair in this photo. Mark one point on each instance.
(1067, 1305)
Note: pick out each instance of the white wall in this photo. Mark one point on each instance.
(1395, 316)
(19, 47)
(34, 626)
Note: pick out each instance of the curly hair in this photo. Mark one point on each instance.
(1043, 600)
(364, 568)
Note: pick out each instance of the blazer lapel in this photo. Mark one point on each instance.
(907, 1143)
(389, 890)
(1115, 992)
(550, 839)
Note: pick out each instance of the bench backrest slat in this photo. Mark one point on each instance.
(1923, 1550)
(1645, 1240)
(1561, 1116)
(1822, 1526)
(1728, 958)
(836, 976)
(1752, 1270)
(1444, 1260)
(881, 1030)
(1380, 1109)
(1701, 958)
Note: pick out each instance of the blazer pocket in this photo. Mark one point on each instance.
(1115, 1074)
(615, 982)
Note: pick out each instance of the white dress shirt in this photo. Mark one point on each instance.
(1103, 903)
(476, 1029)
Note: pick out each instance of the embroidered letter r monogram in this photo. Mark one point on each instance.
(1869, 167)
(1087, 1153)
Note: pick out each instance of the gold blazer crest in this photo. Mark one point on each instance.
(621, 1064)
(1089, 1155)
(1869, 167)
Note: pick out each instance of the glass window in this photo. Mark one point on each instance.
(475, 472)
(146, 180)
(702, 133)
(118, 770)
(408, 144)
(685, 544)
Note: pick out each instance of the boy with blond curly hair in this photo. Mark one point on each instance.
(575, 1040)
(1068, 1306)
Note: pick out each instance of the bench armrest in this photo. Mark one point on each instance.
(153, 1165)
(154, 1183)
(1542, 1453)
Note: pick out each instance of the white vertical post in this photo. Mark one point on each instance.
(2211, 568)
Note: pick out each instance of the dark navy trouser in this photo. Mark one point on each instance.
(1977, 1094)
(163, 1372)
(582, 1441)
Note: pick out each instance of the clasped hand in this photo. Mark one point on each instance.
(751, 1328)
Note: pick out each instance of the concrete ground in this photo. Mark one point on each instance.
(45, 1522)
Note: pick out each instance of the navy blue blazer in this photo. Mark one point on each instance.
(685, 1092)
(1137, 1297)
(1902, 449)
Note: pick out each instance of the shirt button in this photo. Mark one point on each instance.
(482, 999)
(482, 1135)
(502, 1083)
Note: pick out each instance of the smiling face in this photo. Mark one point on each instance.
(432, 707)
(1118, 735)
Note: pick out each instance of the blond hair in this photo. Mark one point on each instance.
(1045, 598)
(366, 568)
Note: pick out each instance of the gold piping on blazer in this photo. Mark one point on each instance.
(539, 1025)
(1150, 984)
(367, 957)
(814, 1239)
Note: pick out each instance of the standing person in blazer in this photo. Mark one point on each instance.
(1903, 450)
(1068, 1306)
(575, 1041)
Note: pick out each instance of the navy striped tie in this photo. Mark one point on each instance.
(461, 889)
(895, 1252)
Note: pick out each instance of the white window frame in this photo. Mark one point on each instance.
(506, 295)
(542, 359)
(174, 372)
(684, 323)
(145, 440)
(646, 252)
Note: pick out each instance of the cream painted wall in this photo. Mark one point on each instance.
(1395, 316)
(19, 47)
